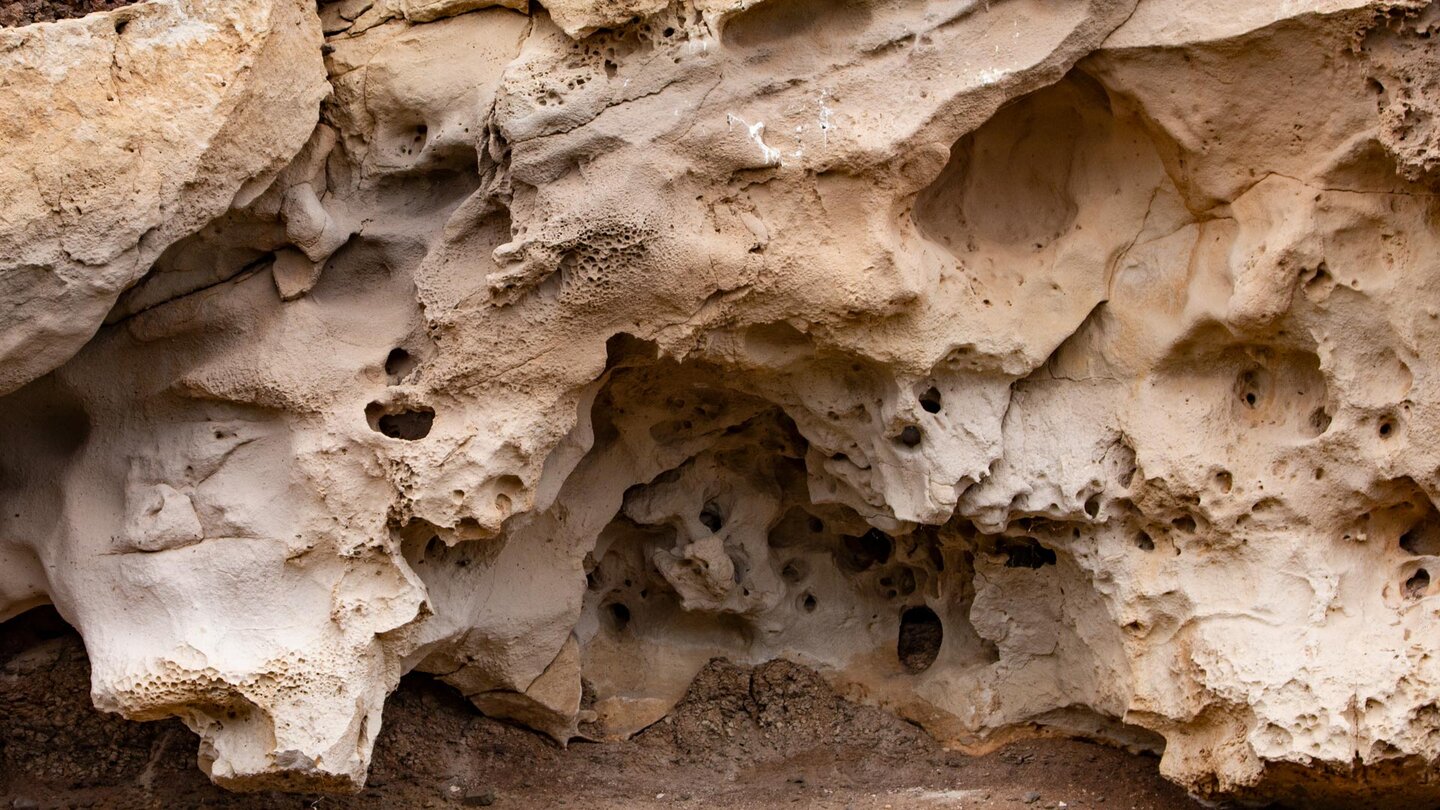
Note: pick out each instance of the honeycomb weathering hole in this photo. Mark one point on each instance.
(398, 364)
(404, 423)
(921, 634)
(1422, 539)
(1417, 584)
(1026, 552)
(710, 516)
(619, 616)
(930, 400)
(869, 549)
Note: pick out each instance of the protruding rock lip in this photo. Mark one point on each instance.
(248, 743)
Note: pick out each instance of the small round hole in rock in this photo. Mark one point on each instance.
(1224, 480)
(409, 424)
(930, 400)
(1387, 428)
(1092, 505)
(619, 616)
(1144, 542)
(921, 634)
(873, 547)
(710, 516)
(1248, 386)
(808, 603)
(910, 436)
(1417, 584)
(398, 363)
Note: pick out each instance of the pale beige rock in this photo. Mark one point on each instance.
(295, 273)
(124, 132)
(428, 10)
(1016, 364)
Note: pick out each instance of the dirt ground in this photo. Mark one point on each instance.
(772, 737)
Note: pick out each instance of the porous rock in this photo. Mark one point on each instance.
(1017, 365)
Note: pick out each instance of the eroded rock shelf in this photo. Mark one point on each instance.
(1019, 366)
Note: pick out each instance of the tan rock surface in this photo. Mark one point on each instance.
(1016, 364)
(124, 132)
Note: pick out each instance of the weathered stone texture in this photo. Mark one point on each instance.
(1016, 364)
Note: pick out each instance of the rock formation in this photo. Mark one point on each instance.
(1021, 365)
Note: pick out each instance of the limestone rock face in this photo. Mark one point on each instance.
(124, 132)
(1017, 364)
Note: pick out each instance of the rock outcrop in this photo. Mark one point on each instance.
(1018, 364)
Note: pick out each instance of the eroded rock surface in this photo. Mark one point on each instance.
(1017, 365)
(124, 132)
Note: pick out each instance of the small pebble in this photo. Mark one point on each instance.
(1031, 797)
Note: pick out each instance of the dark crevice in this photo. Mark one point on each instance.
(1026, 552)
(921, 634)
(407, 424)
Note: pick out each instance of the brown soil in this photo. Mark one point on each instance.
(24, 12)
(775, 736)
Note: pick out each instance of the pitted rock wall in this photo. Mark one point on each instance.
(1016, 364)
